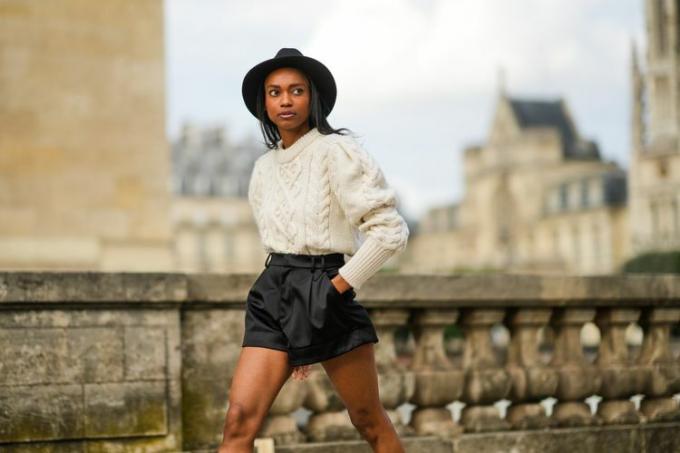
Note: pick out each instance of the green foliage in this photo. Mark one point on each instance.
(654, 262)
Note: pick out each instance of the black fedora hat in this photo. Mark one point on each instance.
(293, 58)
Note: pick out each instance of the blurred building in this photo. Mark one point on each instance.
(212, 223)
(88, 181)
(655, 134)
(84, 165)
(538, 197)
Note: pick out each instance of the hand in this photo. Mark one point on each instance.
(340, 284)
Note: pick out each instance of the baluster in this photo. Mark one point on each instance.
(577, 378)
(620, 378)
(485, 380)
(437, 382)
(532, 380)
(396, 381)
(663, 368)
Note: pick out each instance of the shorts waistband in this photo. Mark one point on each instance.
(307, 261)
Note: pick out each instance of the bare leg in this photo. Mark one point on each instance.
(260, 373)
(355, 377)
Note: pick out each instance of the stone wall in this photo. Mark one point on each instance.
(142, 362)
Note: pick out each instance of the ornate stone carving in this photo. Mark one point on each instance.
(396, 381)
(620, 377)
(664, 369)
(532, 381)
(578, 379)
(437, 382)
(485, 380)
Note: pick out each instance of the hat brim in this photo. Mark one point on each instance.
(314, 69)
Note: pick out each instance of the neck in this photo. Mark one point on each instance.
(288, 137)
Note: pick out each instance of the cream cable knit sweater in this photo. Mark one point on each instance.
(320, 196)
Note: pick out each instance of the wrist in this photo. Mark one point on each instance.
(341, 284)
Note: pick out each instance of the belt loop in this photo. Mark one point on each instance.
(269, 258)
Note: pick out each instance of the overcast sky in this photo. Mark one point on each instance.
(417, 79)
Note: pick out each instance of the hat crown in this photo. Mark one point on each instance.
(288, 52)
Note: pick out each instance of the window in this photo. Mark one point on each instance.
(564, 197)
(585, 198)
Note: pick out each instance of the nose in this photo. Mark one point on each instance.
(285, 100)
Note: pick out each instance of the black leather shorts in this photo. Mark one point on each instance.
(294, 307)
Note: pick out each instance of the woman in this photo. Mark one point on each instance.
(310, 194)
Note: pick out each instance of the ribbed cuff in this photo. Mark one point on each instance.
(368, 260)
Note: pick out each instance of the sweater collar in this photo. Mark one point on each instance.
(286, 155)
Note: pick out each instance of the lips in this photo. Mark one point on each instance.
(286, 115)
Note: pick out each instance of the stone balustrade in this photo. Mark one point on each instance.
(142, 362)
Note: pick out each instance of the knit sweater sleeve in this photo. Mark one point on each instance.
(370, 205)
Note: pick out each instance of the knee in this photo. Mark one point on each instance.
(240, 422)
(368, 421)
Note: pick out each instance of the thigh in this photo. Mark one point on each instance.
(355, 377)
(260, 373)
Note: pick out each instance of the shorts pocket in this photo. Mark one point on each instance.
(330, 274)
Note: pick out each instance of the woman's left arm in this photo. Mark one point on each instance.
(370, 205)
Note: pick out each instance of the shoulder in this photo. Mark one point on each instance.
(339, 140)
(343, 147)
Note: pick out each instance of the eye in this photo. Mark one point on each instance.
(298, 90)
(273, 92)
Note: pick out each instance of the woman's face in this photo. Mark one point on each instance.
(286, 99)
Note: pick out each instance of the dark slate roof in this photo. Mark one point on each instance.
(552, 114)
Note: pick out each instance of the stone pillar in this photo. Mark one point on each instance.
(577, 378)
(532, 381)
(211, 346)
(438, 383)
(486, 381)
(85, 165)
(397, 383)
(620, 378)
(664, 369)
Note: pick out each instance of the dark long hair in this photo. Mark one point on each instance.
(317, 119)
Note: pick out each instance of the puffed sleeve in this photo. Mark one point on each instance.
(370, 205)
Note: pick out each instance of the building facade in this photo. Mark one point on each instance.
(655, 134)
(538, 197)
(213, 228)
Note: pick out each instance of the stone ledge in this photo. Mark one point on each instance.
(650, 438)
(644, 438)
(19, 289)
(424, 444)
(90, 288)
